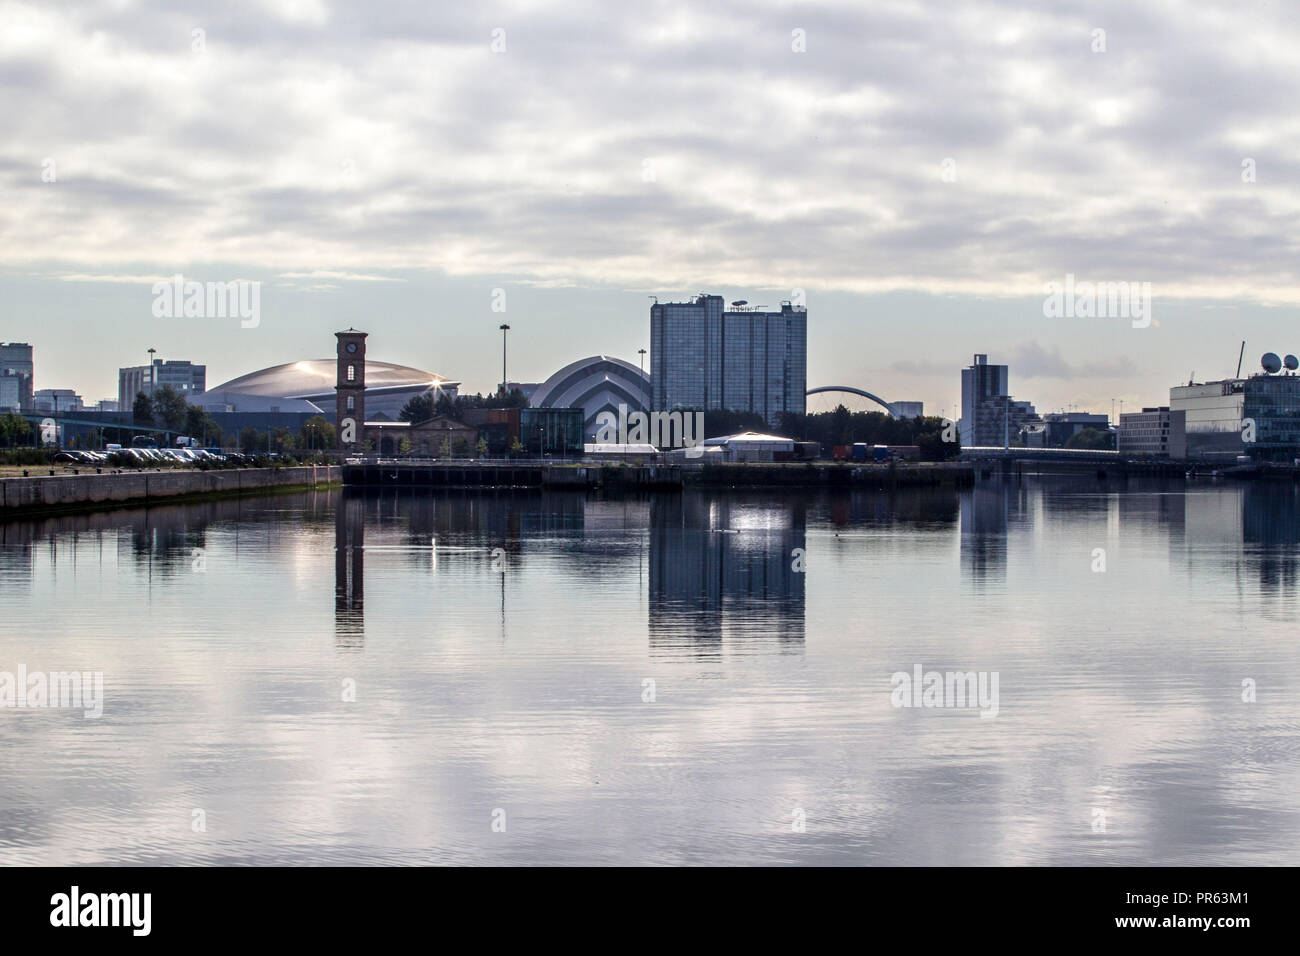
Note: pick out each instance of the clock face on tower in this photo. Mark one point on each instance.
(352, 346)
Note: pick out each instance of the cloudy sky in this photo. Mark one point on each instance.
(919, 171)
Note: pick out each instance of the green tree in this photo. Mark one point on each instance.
(318, 434)
(15, 430)
(444, 450)
(515, 446)
(252, 440)
(404, 446)
(1090, 438)
(481, 447)
(142, 410)
(199, 424)
(418, 409)
(170, 410)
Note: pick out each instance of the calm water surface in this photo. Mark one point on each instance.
(514, 685)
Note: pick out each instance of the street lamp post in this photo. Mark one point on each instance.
(504, 329)
(641, 352)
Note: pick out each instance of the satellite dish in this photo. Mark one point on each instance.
(1271, 363)
(1291, 362)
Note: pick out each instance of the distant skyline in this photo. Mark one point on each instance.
(919, 173)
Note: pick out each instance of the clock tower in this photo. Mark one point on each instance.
(350, 389)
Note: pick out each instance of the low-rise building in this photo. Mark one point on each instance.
(744, 446)
(56, 400)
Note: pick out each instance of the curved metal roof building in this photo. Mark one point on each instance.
(596, 384)
(309, 384)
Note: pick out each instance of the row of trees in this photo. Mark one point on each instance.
(936, 437)
(423, 407)
(167, 408)
(16, 431)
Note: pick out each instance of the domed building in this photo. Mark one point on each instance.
(597, 384)
(308, 387)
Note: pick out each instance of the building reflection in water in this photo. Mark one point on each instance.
(349, 571)
(722, 569)
(1270, 527)
(985, 511)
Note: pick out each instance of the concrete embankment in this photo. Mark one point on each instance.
(72, 492)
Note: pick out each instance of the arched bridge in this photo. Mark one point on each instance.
(852, 391)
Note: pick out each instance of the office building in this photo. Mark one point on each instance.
(1257, 416)
(1271, 403)
(11, 393)
(1212, 413)
(705, 357)
(16, 375)
(1155, 431)
(183, 376)
(56, 400)
(907, 409)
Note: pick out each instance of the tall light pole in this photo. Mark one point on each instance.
(641, 352)
(504, 329)
(153, 376)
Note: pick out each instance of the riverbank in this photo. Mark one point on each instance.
(53, 493)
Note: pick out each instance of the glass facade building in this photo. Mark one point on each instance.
(1257, 416)
(704, 357)
(16, 375)
(1272, 402)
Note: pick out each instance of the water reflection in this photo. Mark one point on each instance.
(725, 567)
(506, 668)
(349, 572)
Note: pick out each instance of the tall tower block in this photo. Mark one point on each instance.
(350, 389)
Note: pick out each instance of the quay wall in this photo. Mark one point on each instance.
(58, 492)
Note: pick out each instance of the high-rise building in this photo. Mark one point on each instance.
(704, 357)
(16, 375)
(182, 375)
(985, 404)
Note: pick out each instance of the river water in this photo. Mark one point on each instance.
(707, 677)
